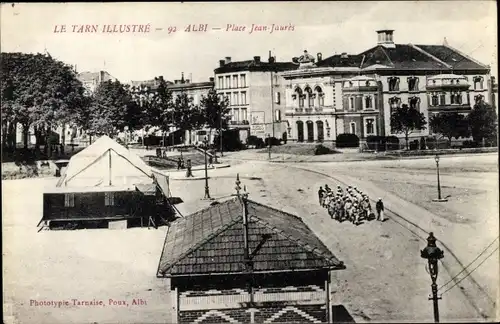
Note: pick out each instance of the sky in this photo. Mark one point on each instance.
(319, 27)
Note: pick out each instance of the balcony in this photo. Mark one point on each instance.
(450, 108)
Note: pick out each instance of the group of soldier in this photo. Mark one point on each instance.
(350, 204)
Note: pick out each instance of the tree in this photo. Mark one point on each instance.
(112, 109)
(185, 115)
(483, 122)
(39, 92)
(215, 112)
(449, 125)
(406, 120)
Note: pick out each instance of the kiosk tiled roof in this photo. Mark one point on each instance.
(211, 241)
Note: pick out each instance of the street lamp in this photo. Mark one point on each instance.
(432, 253)
(269, 145)
(439, 199)
(207, 192)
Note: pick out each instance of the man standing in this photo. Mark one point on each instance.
(380, 210)
(321, 193)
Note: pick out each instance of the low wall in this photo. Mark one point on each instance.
(441, 152)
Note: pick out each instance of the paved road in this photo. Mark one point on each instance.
(385, 279)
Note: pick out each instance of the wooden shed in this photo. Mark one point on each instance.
(106, 183)
(241, 261)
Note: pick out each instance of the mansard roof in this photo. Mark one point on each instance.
(407, 57)
(211, 241)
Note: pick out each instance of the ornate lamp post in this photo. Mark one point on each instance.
(432, 253)
(207, 191)
(439, 199)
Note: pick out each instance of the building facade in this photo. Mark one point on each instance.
(91, 80)
(255, 92)
(357, 93)
(196, 91)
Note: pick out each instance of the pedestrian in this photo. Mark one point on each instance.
(210, 160)
(380, 210)
(321, 193)
(179, 163)
(327, 189)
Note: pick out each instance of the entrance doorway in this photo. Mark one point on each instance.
(321, 136)
(310, 131)
(300, 131)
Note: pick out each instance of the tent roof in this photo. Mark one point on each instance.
(96, 150)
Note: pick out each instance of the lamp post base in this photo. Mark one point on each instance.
(439, 200)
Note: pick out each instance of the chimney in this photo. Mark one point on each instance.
(385, 38)
(228, 59)
(319, 56)
(256, 59)
(344, 55)
(272, 59)
(222, 63)
(177, 81)
(212, 79)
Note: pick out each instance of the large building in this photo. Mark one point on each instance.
(357, 93)
(255, 93)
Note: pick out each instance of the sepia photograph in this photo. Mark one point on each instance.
(250, 162)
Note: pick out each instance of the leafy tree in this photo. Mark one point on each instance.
(39, 92)
(215, 112)
(185, 115)
(112, 109)
(406, 120)
(483, 122)
(450, 125)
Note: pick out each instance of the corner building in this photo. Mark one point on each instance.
(255, 94)
(357, 93)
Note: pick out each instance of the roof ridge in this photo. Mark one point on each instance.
(299, 242)
(430, 55)
(201, 243)
(276, 209)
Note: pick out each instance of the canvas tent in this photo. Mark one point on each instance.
(107, 183)
(105, 163)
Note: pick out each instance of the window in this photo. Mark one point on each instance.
(453, 98)
(351, 103)
(299, 96)
(69, 200)
(370, 129)
(236, 113)
(277, 116)
(414, 103)
(244, 114)
(277, 97)
(235, 98)
(395, 102)
(310, 97)
(434, 100)
(393, 84)
(109, 199)
(320, 95)
(228, 82)
(478, 83)
(243, 98)
(243, 82)
(413, 84)
(235, 81)
(221, 82)
(228, 96)
(353, 127)
(368, 102)
(442, 99)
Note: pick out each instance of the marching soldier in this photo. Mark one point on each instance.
(348, 209)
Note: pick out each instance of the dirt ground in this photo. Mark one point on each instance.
(385, 279)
